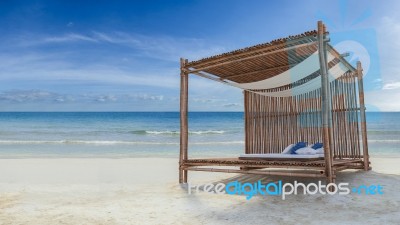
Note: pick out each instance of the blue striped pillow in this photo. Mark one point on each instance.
(317, 145)
(298, 146)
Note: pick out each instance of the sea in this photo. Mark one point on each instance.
(149, 134)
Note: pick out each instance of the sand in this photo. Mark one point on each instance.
(145, 191)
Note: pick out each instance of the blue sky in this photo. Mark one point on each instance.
(124, 55)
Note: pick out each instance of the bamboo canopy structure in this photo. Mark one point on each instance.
(295, 89)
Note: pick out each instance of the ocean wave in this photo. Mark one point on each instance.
(98, 142)
(115, 142)
(383, 131)
(168, 132)
(218, 143)
(384, 141)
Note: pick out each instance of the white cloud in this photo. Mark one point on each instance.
(232, 105)
(387, 95)
(377, 80)
(69, 38)
(106, 98)
(146, 97)
(34, 63)
(389, 86)
(21, 96)
(61, 65)
(163, 47)
(158, 47)
(207, 100)
(50, 67)
(29, 96)
(388, 34)
(382, 100)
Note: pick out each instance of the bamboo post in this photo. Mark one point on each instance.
(325, 96)
(362, 115)
(246, 124)
(183, 153)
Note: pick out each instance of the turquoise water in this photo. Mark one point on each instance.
(151, 134)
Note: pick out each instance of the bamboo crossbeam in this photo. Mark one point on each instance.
(340, 57)
(309, 166)
(259, 172)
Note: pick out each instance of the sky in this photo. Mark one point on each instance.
(124, 55)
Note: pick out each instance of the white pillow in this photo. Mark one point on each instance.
(320, 150)
(306, 151)
(287, 149)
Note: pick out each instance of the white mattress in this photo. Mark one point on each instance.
(285, 156)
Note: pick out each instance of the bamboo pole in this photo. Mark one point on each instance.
(356, 123)
(325, 100)
(183, 153)
(246, 123)
(362, 115)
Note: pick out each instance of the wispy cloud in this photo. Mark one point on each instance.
(147, 97)
(383, 100)
(160, 47)
(35, 60)
(69, 38)
(388, 34)
(389, 86)
(377, 80)
(207, 100)
(32, 96)
(232, 105)
(48, 67)
(386, 94)
(21, 96)
(106, 98)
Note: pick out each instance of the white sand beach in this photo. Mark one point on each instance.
(146, 191)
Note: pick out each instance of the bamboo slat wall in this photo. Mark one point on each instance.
(345, 114)
(272, 123)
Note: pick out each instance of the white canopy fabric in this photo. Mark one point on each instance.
(298, 72)
(334, 73)
(307, 67)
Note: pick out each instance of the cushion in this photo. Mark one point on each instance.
(317, 145)
(306, 151)
(279, 156)
(320, 151)
(287, 149)
(298, 146)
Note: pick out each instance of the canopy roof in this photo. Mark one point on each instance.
(286, 64)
